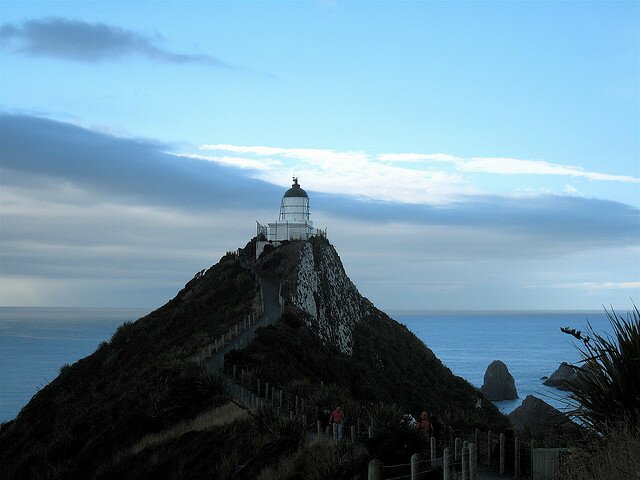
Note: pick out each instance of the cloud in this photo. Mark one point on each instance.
(132, 170)
(417, 157)
(603, 285)
(353, 173)
(89, 218)
(436, 178)
(90, 42)
(239, 162)
(514, 166)
(37, 152)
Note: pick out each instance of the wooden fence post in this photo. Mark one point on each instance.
(446, 464)
(502, 454)
(465, 463)
(489, 448)
(415, 458)
(532, 445)
(370, 432)
(473, 461)
(319, 425)
(516, 462)
(375, 470)
(433, 451)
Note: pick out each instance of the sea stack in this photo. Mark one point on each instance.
(561, 377)
(498, 383)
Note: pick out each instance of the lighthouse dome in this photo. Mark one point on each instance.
(295, 190)
(295, 204)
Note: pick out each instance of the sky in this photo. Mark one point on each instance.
(462, 155)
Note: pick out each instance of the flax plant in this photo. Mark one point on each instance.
(606, 389)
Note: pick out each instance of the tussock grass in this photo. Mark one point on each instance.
(227, 413)
(320, 459)
(614, 455)
(282, 471)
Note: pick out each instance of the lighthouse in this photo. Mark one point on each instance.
(293, 222)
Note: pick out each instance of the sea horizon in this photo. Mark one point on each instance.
(36, 341)
(388, 311)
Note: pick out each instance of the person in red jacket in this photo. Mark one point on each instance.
(337, 419)
(425, 425)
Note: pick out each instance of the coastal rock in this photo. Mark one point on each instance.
(498, 383)
(541, 419)
(565, 373)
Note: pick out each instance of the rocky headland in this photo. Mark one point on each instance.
(562, 377)
(147, 405)
(541, 420)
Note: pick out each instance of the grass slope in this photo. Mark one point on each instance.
(139, 382)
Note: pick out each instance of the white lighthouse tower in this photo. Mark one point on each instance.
(293, 223)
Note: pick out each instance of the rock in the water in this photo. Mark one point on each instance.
(541, 419)
(565, 373)
(498, 383)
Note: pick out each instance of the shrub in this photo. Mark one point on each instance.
(606, 389)
(327, 460)
(615, 455)
(383, 416)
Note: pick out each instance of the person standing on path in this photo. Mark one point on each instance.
(425, 425)
(337, 418)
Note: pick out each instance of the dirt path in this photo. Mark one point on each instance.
(272, 313)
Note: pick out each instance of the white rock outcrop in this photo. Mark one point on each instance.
(322, 289)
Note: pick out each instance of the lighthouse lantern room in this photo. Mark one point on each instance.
(294, 222)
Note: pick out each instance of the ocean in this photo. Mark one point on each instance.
(36, 342)
(530, 344)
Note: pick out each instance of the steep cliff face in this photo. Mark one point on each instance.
(335, 335)
(320, 287)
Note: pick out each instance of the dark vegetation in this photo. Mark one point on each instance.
(606, 389)
(389, 365)
(606, 392)
(139, 382)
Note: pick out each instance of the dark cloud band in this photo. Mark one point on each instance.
(89, 42)
(141, 171)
